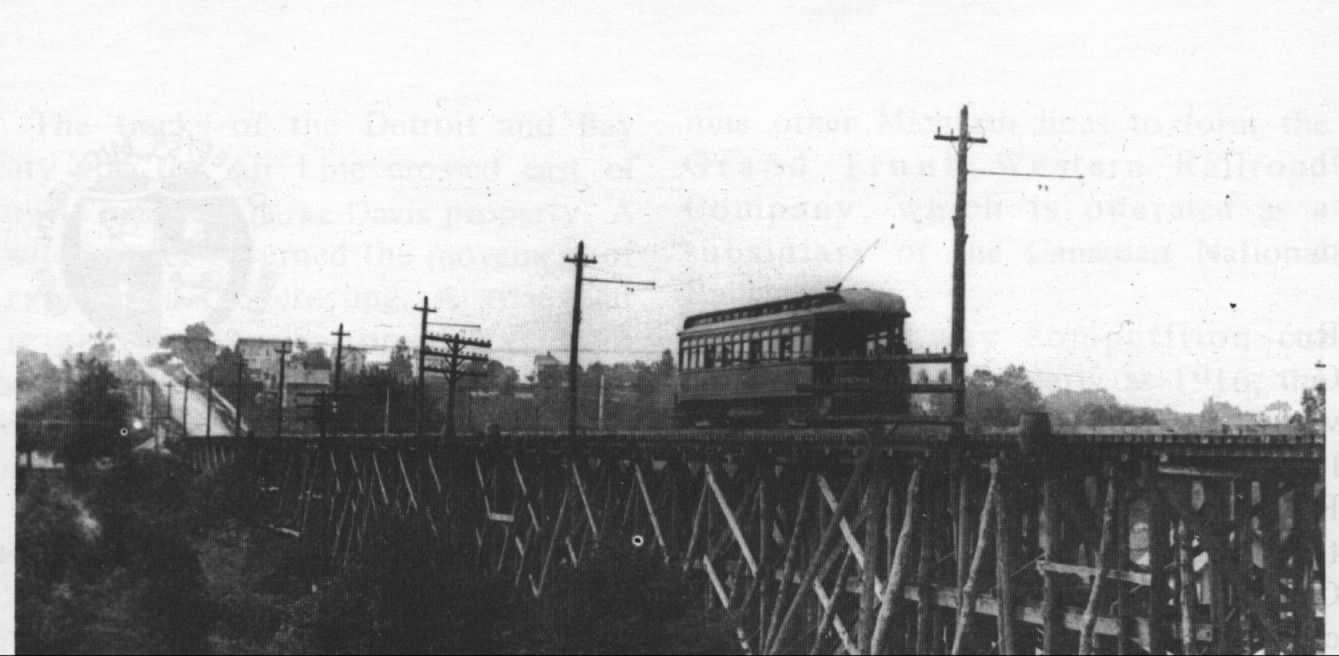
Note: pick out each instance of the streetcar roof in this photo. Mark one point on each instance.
(846, 300)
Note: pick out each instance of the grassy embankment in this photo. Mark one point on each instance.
(148, 558)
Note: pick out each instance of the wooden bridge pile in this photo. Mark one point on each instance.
(864, 541)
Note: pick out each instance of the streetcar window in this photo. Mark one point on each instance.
(876, 343)
(709, 356)
(725, 355)
(784, 348)
(755, 349)
(805, 343)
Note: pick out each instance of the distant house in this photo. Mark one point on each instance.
(354, 360)
(301, 382)
(546, 361)
(262, 358)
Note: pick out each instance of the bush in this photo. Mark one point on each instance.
(407, 595)
(624, 599)
(117, 568)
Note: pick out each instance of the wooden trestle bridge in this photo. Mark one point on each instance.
(890, 539)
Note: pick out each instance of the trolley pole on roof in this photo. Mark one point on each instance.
(573, 368)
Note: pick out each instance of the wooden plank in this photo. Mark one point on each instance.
(585, 502)
(1158, 561)
(1186, 586)
(553, 540)
(898, 566)
(873, 533)
(969, 591)
(829, 610)
(788, 564)
(650, 511)
(1050, 603)
(1004, 568)
(1087, 639)
(716, 582)
(829, 531)
(696, 529)
(847, 532)
(924, 637)
(731, 521)
(1213, 545)
(404, 472)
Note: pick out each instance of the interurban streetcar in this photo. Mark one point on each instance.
(795, 361)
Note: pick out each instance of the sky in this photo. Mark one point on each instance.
(275, 170)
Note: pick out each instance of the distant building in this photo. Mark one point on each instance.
(262, 358)
(175, 343)
(546, 361)
(354, 360)
(1252, 427)
(300, 381)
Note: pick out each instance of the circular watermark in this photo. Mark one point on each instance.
(154, 234)
(638, 540)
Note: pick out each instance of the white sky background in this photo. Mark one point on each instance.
(384, 151)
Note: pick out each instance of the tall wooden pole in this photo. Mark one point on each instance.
(209, 406)
(185, 404)
(424, 310)
(958, 336)
(283, 351)
(574, 369)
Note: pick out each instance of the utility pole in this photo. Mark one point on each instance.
(601, 415)
(573, 368)
(153, 416)
(209, 405)
(958, 339)
(456, 358)
(283, 351)
(425, 310)
(339, 367)
(241, 376)
(185, 403)
(156, 440)
(963, 141)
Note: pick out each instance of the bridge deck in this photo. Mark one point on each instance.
(1300, 445)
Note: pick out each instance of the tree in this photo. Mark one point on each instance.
(195, 347)
(999, 400)
(37, 381)
(97, 412)
(401, 366)
(1313, 407)
(103, 347)
(1095, 407)
(315, 358)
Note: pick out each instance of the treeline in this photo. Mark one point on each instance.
(997, 400)
(79, 409)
